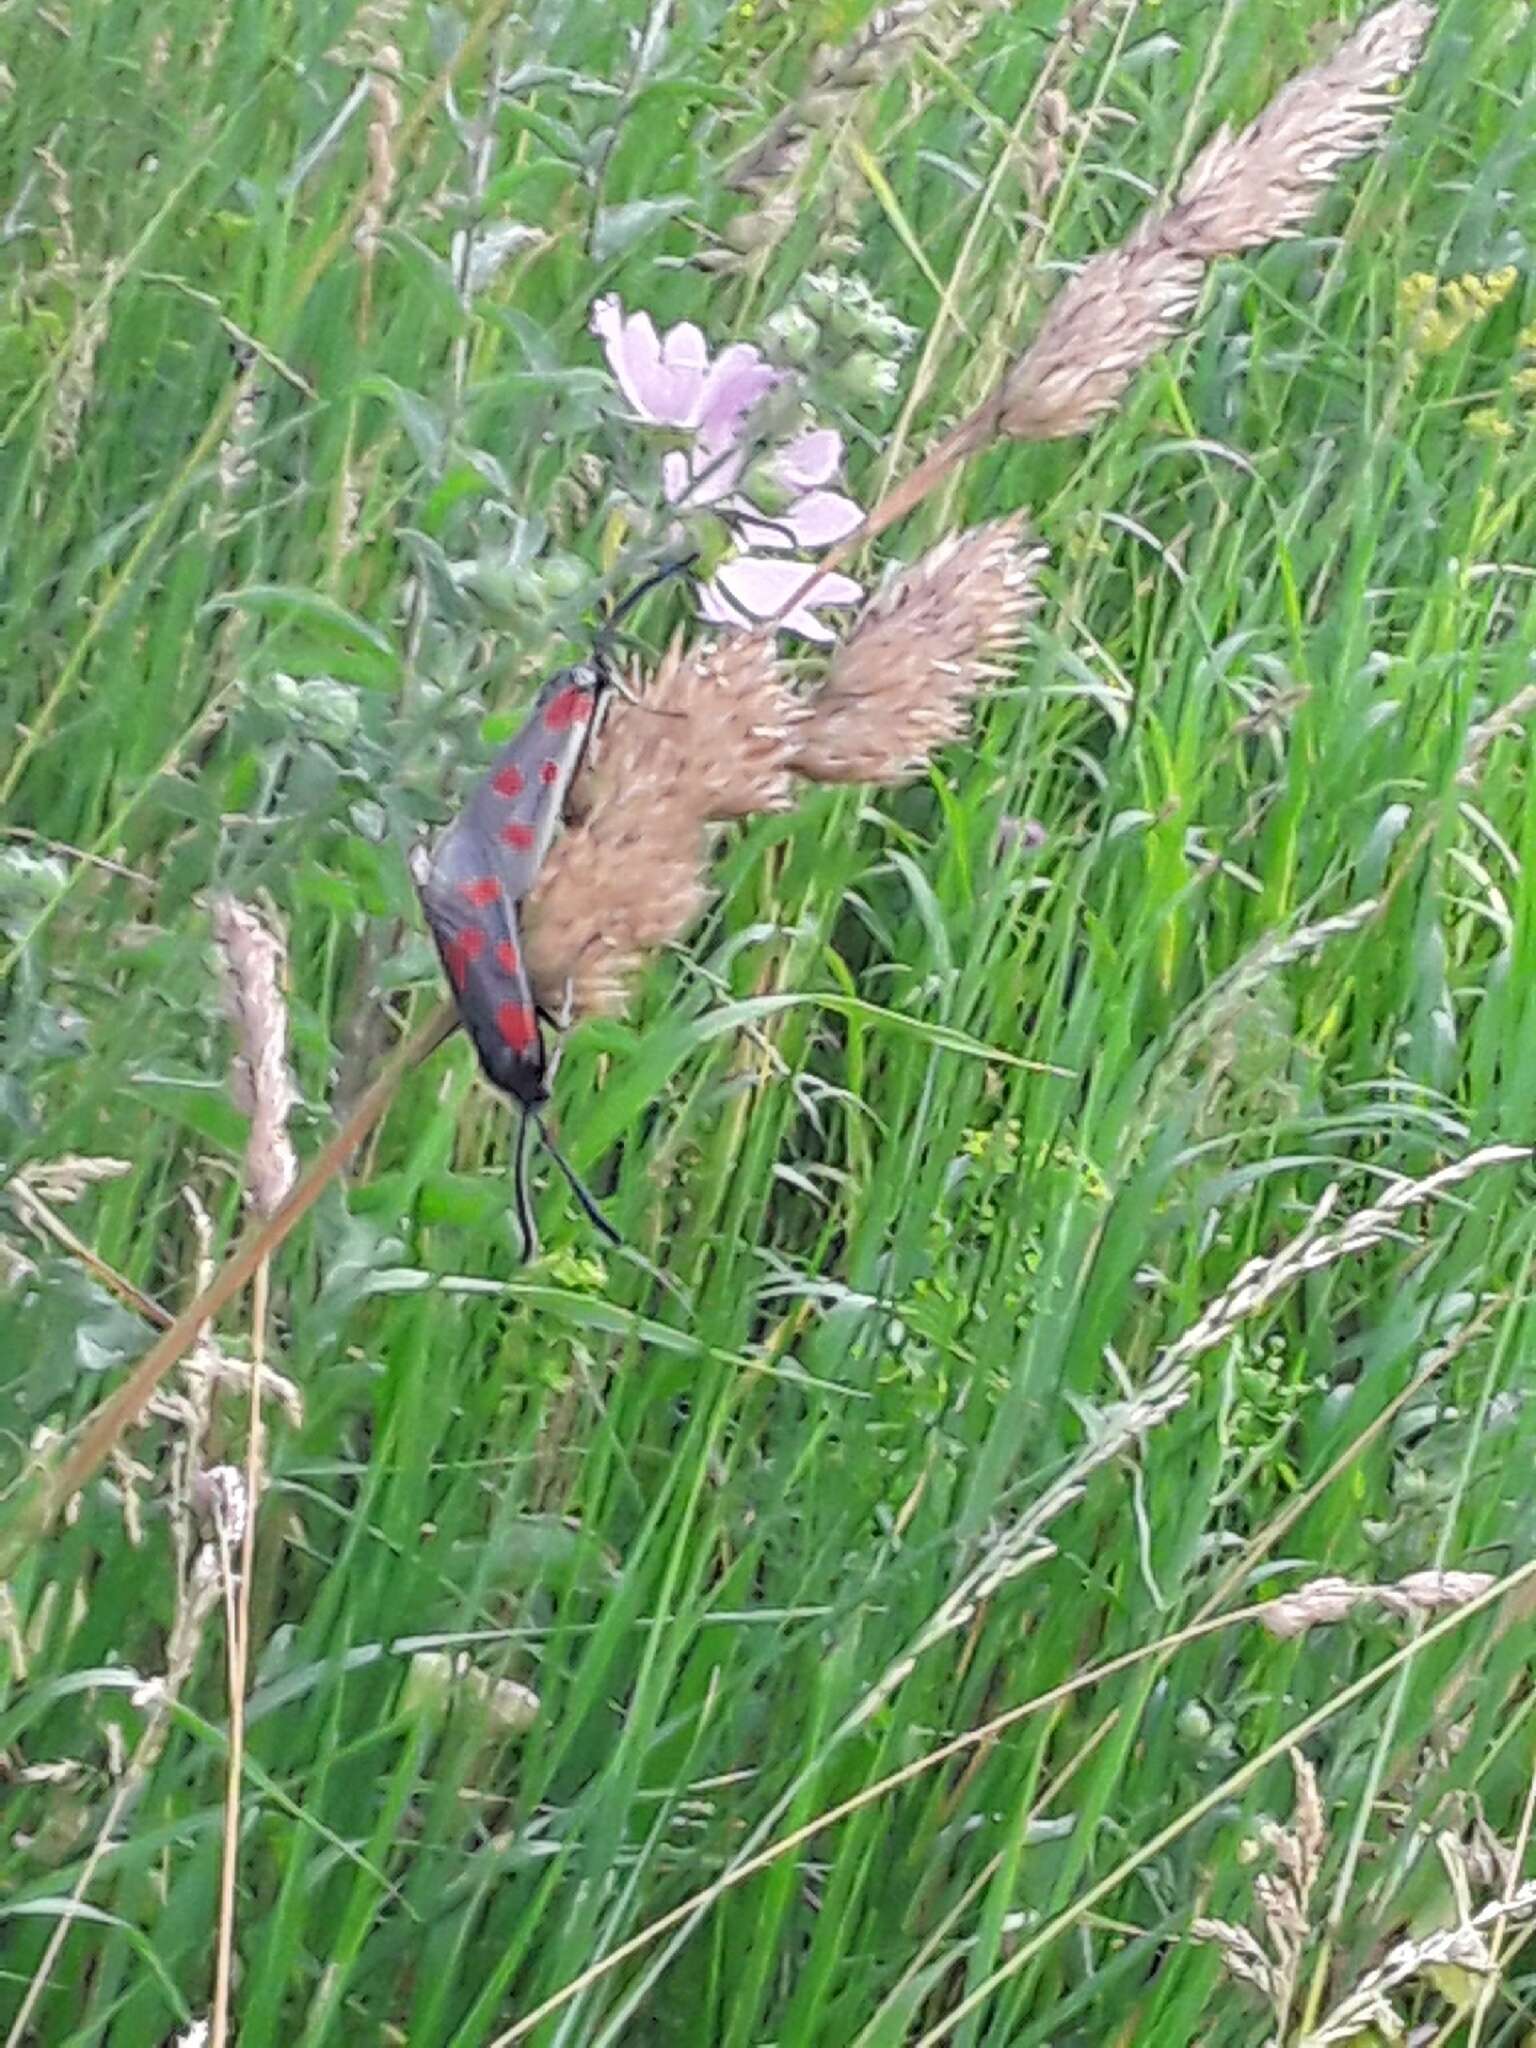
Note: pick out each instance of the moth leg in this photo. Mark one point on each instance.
(583, 1194)
(520, 1194)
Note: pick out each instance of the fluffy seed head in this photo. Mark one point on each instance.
(1240, 192)
(253, 961)
(900, 686)
(1111, 319)
(1260, 186)
(711, 740)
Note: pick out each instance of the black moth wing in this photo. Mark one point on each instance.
(473, 884)
(475, 926)
(516, 808)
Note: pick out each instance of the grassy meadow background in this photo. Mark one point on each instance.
(728, 1528)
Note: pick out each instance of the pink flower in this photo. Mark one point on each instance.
(755, 587)
(814, 521)
(705, 475)
(670, 380)
(810, 459)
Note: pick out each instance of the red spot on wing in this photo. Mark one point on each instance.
(462, 948)
(507, 957)
(518, 1025)
(482, 890)
(571, 707)
(549, 771)
(519, 835)
(508, 781)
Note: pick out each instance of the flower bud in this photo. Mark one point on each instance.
(868, 379)
(818, 290)
(500, 584)
(794, 333)
(563, 576)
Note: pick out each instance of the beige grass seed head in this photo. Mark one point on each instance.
(253, 961)
(711, 740)
(1241, 191)
(900, 685)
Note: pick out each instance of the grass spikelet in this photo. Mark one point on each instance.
(1480, 737)
(1368, 2006)
(1241, 191)
(712, 740)
(383, 128)
(253, 959)
(1263, 1280)
(1109, 321)
(901, 683)
(1283, 1894)
(1261, 185)
(771, 169)
(1326, 1600)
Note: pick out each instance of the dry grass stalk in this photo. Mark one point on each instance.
(383, 130)
(65, 1180)
(197, 1595)
(1508, 718)
(1283, 1894)
(1465, 1947)
(1262, 1280)
(253, 960)
(770, 170)
(206, 1366)
(1241, 192)
(234, 464)
(1119, 1426)
(60, 1480)
(219, 1369)
(1327, 1600)
(713, 740)
(901, 683)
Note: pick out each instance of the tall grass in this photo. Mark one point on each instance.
(874, 1527)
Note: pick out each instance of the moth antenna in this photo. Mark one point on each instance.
(643, 590)
(593, 1214)
(607, 633)
(520, 1194)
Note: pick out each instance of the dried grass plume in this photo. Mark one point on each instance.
(1333, 1599)
(901, 683)
(252, 962)
(711, 740)
(1241, 192)
(1283, 1895)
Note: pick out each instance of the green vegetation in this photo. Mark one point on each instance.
(907, 1288)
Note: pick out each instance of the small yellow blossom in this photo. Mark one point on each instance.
(1523, 383)
(1487, 423)
(1437, 315)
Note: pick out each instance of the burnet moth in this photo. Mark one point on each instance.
(473, 885)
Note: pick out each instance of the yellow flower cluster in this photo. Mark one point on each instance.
(1523, 382)
(1487, 423)
(1435, 315)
